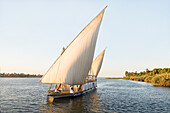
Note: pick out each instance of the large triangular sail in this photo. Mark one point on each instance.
(96, 65)
(73, 65)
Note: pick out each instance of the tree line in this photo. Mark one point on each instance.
(19, 75)
(148, 72)
(157, 76)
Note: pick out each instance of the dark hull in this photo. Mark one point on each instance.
(65, 95)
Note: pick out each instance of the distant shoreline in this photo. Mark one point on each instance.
(19, 75)
(22, 75)
(113, 78)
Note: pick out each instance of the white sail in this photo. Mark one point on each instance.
(73, 65)
(96, 65)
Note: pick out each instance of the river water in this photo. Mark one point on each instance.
(111, 95)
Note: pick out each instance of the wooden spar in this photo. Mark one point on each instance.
(58, 87)
(50, 86)
(80, 88)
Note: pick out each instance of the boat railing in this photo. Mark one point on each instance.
(90, 80)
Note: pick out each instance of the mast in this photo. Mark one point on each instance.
(73, 65)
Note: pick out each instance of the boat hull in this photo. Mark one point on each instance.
(86, 88)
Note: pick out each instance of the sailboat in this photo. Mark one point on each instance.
(74, 72)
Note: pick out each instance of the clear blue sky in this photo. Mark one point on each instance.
(135, 32)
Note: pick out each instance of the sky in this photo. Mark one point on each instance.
(135, 32)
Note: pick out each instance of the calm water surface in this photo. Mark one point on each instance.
(111, 95)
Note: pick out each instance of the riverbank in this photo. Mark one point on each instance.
(19, 75)
(156, 80)
(157, 77)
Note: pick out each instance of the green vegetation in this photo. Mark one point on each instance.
(158, 77)
(18, 75)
